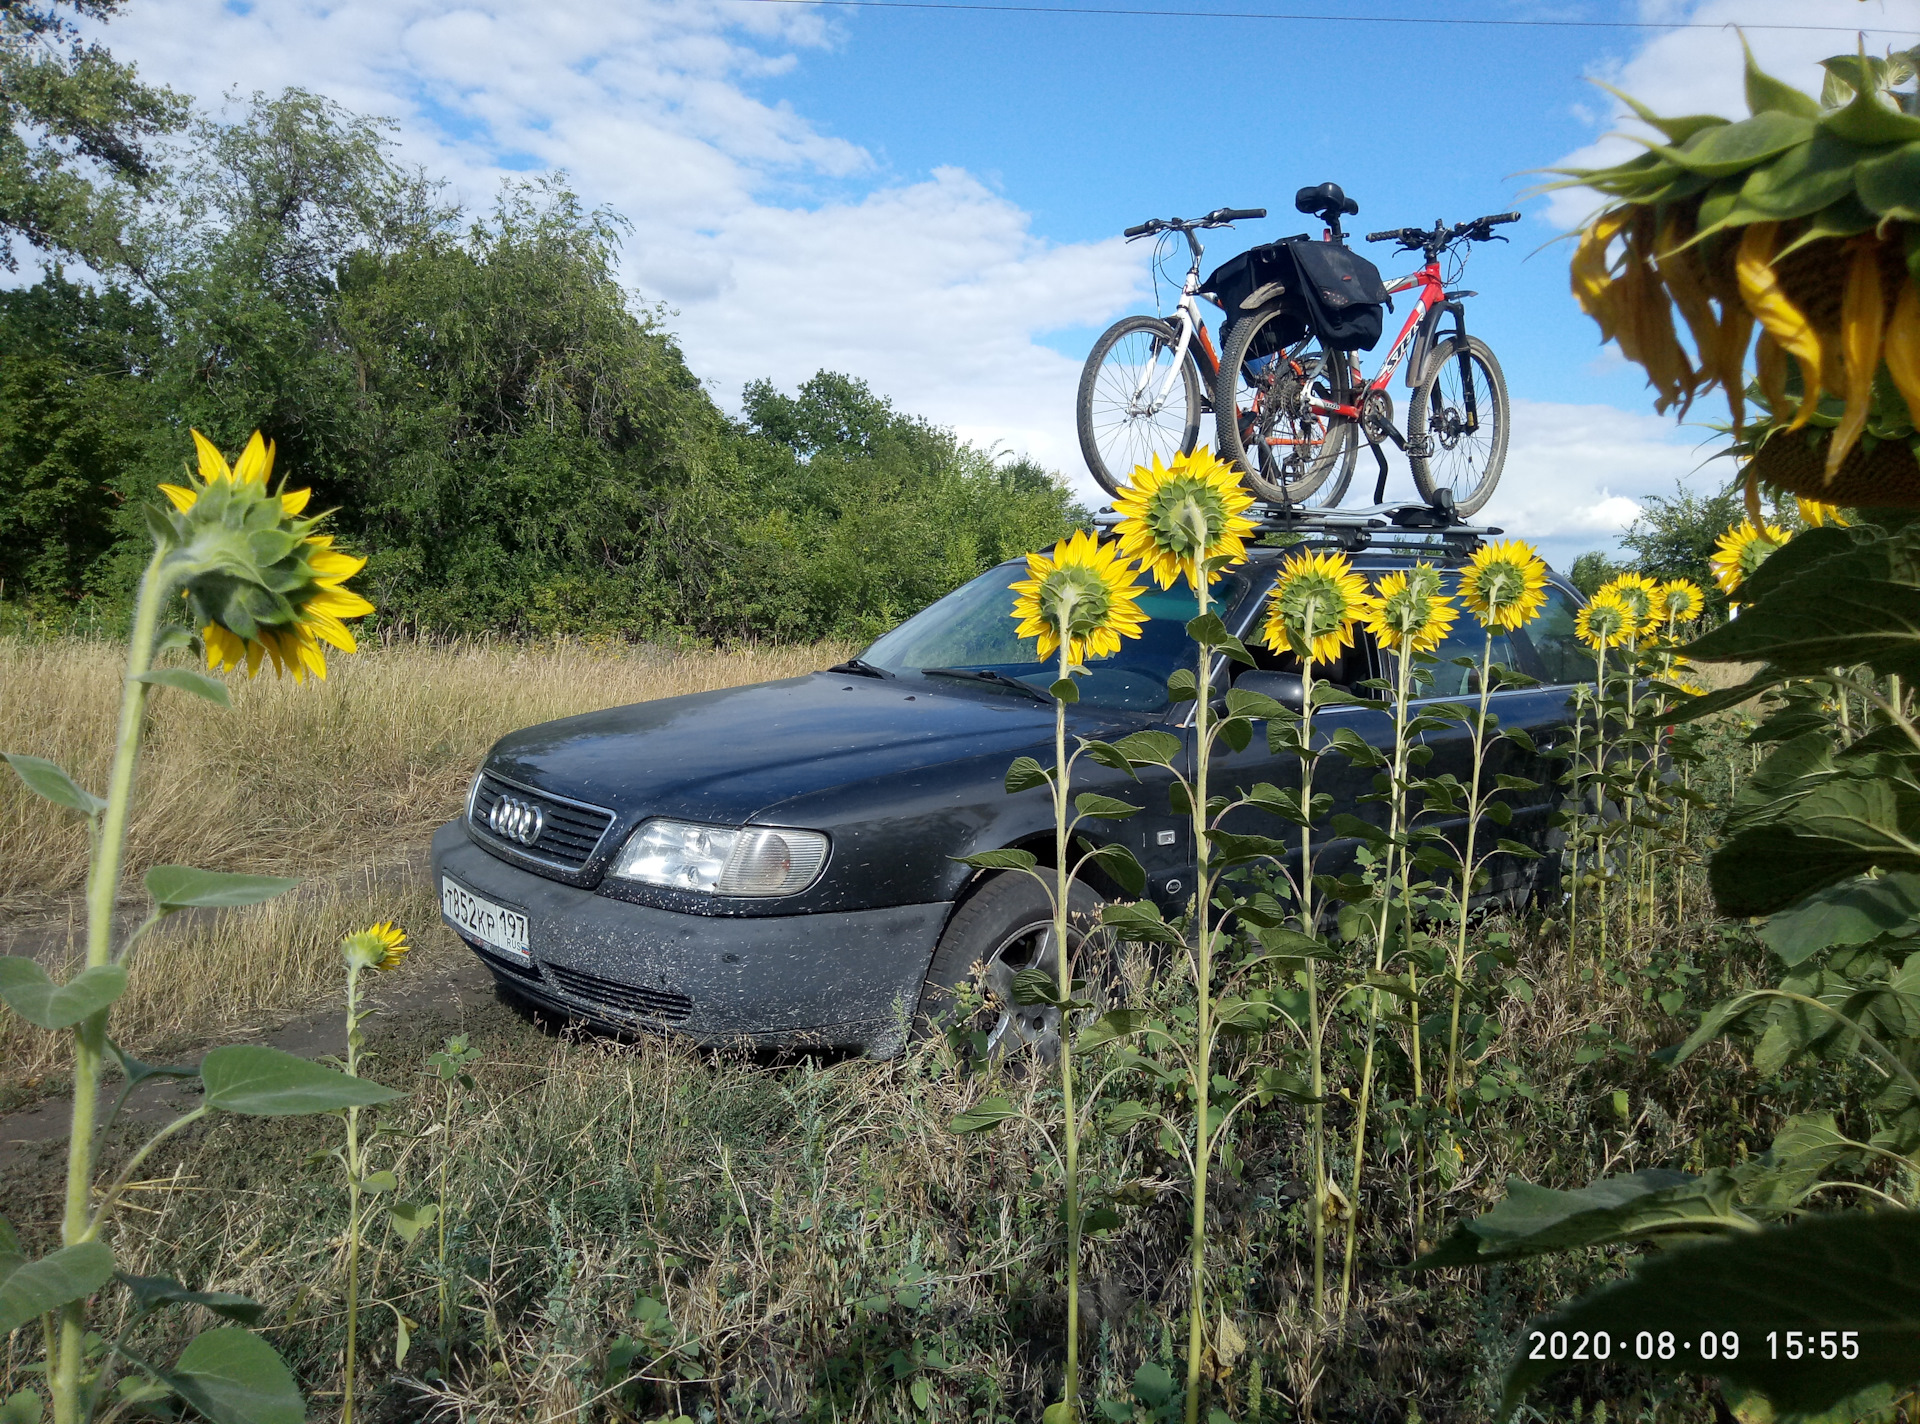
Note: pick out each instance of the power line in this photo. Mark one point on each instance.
(1331, 19)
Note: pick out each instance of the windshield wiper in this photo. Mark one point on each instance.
(989, 675)
(862, 667)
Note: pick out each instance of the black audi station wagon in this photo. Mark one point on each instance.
(779, 864)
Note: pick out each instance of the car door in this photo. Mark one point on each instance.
(1537, 712)
(1234, 773)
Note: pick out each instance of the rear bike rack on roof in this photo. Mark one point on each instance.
(1401, 528)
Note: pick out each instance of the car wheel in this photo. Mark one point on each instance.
(1005, 927)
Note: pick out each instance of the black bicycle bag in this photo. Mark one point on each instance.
(1320, 287)
(1344, 290)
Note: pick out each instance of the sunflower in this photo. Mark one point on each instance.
(1606, 622)
(1639, 595)
(1816, 515)
(1679, 601)
(1409, 613)
(1680, 676)
(263, 583)
(1504, 584)
(1741, 550)
(380, 946)
(1175, 516)
(1314, 605)
(1083, 595)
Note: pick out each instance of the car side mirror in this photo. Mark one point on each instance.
(1286, 688)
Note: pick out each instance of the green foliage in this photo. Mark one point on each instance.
(1674, 535)
(1592, 569)
(1839, 1297)
(515, 442)
(73, 121)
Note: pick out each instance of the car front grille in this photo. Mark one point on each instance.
(658, 1004)
(569, 831)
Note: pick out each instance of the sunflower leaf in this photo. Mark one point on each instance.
(1119, 863)
(1209, 632)
(50, 1282)
(1181, 686)
(1000, 860)
(257, 1081)
(1025, 774)
(1107, 808)
(1065, 690)
(1151, 748)
(187, 680)
(1851, 1276)
(1108, 755)
(232, 1376)
(41, 1002)
(180, 887)
(988, 1112)
(47, 779)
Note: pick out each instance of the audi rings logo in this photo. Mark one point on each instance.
(517, 820)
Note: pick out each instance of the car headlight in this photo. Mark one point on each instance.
(754, 860)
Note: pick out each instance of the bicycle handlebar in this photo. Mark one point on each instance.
(1219, 217)
(1440, 235)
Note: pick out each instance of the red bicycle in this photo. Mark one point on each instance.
(1292, 407)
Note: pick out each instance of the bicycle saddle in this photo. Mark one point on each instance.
(1328, 202)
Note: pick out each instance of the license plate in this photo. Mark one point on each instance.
(493, 924)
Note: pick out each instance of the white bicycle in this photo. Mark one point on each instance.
(1149, 380)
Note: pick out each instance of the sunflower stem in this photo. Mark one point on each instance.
(1474, 811)
(1203, 985)
(1070, 1128)
(90, 1035)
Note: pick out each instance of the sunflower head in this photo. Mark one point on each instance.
(1083, 597)
(1409, 613)
(1606, 622)
(1640, 595)
(263, 583)
(380, 946)
(1504, 584)
(1173, 517)
(1679, 601)
(1741, 550)
(1816, 515)
(1314, 605)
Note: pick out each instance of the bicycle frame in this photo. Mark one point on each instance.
(1188, 319)
(1432, 294)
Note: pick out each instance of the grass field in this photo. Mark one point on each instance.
(642, 1231)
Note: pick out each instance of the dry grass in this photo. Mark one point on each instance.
(201, 979)
(296, 779)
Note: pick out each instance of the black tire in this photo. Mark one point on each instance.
(1461, 417)
(1006, 926)
(1118, 431)
(1284, 452)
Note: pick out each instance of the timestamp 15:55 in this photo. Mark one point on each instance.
(1813, 1345)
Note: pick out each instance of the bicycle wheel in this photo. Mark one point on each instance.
(1132, 404)
(1458, 424)
(1265, 425)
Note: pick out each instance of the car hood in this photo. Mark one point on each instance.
(723, 756)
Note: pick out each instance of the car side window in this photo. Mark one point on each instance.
(1563, 656)
(1466, 639)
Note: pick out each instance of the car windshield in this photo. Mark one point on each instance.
(972, 628)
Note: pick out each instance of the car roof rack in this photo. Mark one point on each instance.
(1405, 527)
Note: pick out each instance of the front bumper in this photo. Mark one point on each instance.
(848, 979)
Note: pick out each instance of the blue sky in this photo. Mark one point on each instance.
(931, 200)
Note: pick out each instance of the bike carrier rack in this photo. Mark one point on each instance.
(1402, 527)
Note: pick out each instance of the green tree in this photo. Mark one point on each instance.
(1673, 536)
(76, 432)
(1592, 569)
(74, 125)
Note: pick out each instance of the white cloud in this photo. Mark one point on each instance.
(1577, 475)
(1699, 71)
(932, 290)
